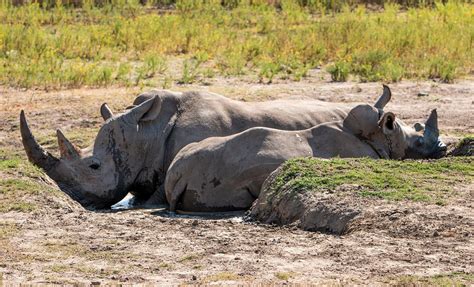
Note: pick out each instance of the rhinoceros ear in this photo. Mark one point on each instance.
(106, 112)
(384, 98)
(146, 111)
(419, 127)
(387, 123)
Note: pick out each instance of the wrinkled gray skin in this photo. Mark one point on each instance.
(133, 150)
(226, 173)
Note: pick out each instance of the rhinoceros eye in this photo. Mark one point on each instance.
(95, 164)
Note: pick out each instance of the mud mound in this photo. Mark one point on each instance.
(325, 212)
(298, 193)
(464, 148)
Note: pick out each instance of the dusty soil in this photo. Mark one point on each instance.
(59, 242)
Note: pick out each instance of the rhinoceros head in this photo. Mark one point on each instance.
(400, 140)
(102, 174)
(422, 141)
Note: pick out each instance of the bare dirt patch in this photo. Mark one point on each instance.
(59, 242)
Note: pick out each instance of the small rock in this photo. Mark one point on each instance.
(423, 94)
(435, 234)
(194, 278)
(95, 283)
(195, 223)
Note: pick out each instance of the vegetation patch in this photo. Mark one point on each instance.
(129, 44)
(19, 184)
(284, 275)
(7, 229)
(223, 276)
(189, 257)
(344, 195)
(427, 181)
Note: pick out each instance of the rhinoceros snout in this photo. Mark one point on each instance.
(440, 150)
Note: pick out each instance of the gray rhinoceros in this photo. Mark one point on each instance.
(226, 173)
(133, 150)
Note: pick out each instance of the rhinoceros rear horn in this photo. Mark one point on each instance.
(146, 111)
(431, 125)
(106, 112)
(384, 98)
(36, 154)
(66, 148)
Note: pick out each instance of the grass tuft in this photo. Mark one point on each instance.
(284, 275)
(222, 276)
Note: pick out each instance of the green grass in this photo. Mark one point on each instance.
(130, 44)
(426, 181)
(284, 275)
(19, 184)
(222, 276)
(189, 257)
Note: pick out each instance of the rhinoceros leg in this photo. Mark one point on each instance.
(186, 195)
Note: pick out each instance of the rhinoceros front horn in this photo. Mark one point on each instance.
(431, 126)
(43, 159)
(36, 154)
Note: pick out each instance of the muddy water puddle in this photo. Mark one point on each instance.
(130, 202)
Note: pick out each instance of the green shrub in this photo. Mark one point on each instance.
(339, 71)
(442, 69)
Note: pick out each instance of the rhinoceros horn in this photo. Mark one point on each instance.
(66, 148)
(50, 164)
(431, 126)
(106, 112)
(384, 98)
(36, 154)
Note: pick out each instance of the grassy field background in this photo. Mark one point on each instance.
(126, 43)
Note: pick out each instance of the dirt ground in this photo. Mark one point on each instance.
(59, 242)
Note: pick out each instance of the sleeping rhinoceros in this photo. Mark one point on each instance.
(133, 150)
(226, 173)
